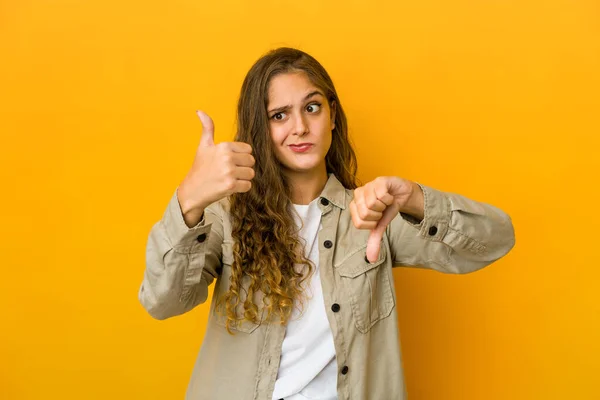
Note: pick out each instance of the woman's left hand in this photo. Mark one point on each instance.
(378, 202)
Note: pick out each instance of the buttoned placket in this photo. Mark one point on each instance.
(275, 333)
(327, 240)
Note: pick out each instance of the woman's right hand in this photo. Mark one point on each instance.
(218, 171)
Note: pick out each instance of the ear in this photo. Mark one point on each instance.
(332, 106)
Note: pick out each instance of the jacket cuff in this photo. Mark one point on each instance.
(434, 225)
(182, 238)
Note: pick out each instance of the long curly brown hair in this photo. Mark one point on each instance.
(266, 242)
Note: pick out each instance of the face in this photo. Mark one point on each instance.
(300, 122)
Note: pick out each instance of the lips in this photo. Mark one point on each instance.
(301, 148)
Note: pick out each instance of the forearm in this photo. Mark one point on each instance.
(456, 234)
(180, 263)
(192, 214)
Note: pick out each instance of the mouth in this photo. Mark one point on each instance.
(301, 148)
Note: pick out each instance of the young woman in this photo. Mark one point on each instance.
(304, 300)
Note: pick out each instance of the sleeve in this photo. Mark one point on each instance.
(181, 262)
(457, 235)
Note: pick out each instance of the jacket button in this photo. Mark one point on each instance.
(201, 238)
(327, 244)
(432, 231)
(324, 201)
(345, 370)
(335, 307)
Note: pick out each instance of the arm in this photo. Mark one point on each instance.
(181, 262)
(455, 234)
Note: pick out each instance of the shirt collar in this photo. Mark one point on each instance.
(335, 192)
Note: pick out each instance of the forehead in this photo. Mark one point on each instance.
(289, 87)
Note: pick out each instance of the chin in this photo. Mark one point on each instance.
(304, 167)
(303, 162)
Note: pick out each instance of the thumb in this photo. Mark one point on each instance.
(374, 241)
(208, 130)
(374, 244)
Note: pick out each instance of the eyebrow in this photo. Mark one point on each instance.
(308, 96)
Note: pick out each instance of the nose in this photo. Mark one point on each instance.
(300, 125)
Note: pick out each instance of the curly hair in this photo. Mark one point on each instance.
(266, 243)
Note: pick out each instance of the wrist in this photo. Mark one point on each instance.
(415, 205)
(186, 202)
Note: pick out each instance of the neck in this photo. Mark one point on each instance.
(306, 186)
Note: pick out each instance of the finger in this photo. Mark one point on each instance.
(372, 202)
(381, 191)
(368, 225)
(388, 215)
(244, 173)
(376, 235)
(366, 197)
(242, 186)
(374, 244)
(207, 138)
(238, 147)
(384, 197)
(358, 222)
(243, 159)
(369, 208)
(367, 214)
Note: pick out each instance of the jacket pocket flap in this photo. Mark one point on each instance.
(357, 264)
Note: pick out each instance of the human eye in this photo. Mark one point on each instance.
(278, 116)
(313, 108)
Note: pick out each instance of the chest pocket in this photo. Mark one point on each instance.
(368, 286)
(222, 286)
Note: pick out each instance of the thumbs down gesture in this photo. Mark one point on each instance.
(378, 202)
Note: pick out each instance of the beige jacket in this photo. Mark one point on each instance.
(457, 235)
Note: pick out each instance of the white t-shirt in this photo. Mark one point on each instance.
(308, 367)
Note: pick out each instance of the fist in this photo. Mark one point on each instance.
(377, 203)
(218, 170)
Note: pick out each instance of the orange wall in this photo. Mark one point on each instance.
(495, 100)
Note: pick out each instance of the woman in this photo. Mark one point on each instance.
(304, 300)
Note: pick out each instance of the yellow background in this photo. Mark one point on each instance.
(496, 100)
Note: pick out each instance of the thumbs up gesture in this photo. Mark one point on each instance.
(378, 202)
(218, 170)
